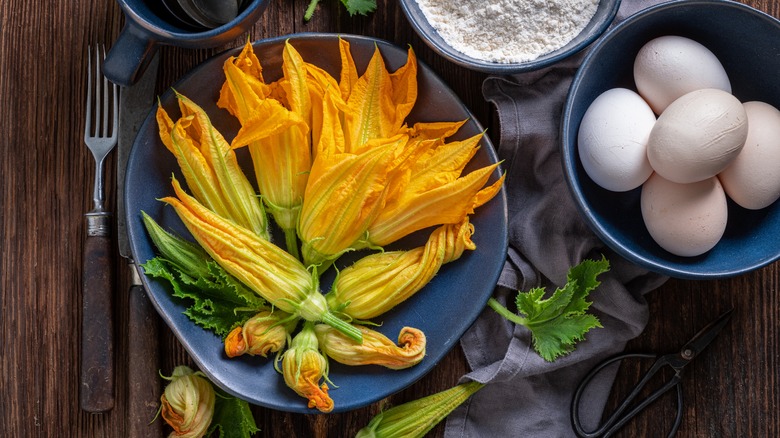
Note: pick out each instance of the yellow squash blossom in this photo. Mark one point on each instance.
(268, 270)
(210, 166)
(378, 282)
(263, 333)
(303, 367)
(435, 193)
(376, 349)
(344, 195)
(277, 137)
(188, 403)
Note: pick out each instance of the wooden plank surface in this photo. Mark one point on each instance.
(45, 179)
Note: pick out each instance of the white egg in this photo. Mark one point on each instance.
(670, 66)
(697, 136)
(612, 140)
(685, 219)
(753, 179)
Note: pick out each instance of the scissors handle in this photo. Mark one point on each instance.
(618, 419)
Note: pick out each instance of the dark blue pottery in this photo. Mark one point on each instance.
(747, 42)
(147, 25)
(444, 309)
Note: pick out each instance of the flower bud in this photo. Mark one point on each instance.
(185, 255)
(303, 366)
(416, 418)
(188, 403)
(376, 349)
(264, 333)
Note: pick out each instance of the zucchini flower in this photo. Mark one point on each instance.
(303, 367)
(416, 418)
(188, 403)
(265, 268)
(376, 349)
(434, 193)
(277, 137)
(265, 332)
(344, 194)
(210, 167)
(378, 282)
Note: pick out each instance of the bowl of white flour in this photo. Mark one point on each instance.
(509, 36)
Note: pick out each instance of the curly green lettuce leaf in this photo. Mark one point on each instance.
(218, 303)
(557, 323)
(232, 417)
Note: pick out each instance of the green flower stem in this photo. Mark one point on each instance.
(344, 327)
(503, 311)
(291, 240)
(310, 10)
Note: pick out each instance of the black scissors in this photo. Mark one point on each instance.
(677, 361)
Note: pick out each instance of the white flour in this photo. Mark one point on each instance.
(508, 30)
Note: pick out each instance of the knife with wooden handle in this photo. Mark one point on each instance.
(144, 387)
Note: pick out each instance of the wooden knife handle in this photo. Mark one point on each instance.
(97, 327)
(143, 366)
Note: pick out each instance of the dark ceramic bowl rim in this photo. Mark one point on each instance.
(423, 29)
(160, 34)
(569, 160)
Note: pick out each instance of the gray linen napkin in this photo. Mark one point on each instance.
(524, 395)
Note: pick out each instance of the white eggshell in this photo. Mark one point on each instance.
(612, 140)
(753, 179)
(697, 136)
(670, 66)
(685, 219)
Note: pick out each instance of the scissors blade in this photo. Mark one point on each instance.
(705, 336)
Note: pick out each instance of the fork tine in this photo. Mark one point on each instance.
(105, 92)
(88, 125)
(98, 94)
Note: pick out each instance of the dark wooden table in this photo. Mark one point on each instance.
(45, 179)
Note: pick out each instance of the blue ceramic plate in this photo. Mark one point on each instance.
(444, 309)
(745, 41)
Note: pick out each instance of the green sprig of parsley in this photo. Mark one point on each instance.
(354, 7)
(557, 323)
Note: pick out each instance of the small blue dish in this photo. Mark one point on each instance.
(598, 24)
(149, 23)
(745, 41)
(444, 309)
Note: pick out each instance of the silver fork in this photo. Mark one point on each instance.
(97, 341)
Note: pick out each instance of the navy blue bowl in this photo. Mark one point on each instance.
(746, 41)
(147, 25)
(601, 20)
